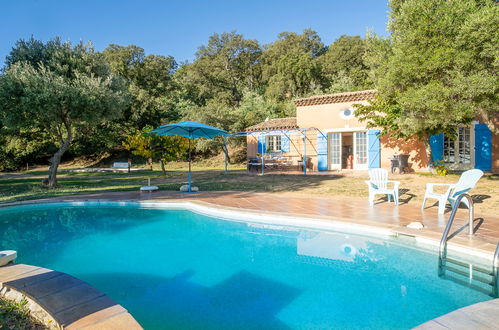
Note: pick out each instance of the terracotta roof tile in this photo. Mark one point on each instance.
(336, 98)
(279, 123)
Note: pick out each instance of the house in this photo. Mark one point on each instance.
(326, 132)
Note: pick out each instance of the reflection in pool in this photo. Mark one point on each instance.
(179, 269)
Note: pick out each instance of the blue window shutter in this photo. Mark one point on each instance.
(322, 152)
(285, 143)
(261, 143)
(374, 148)
(483, 147)
(437, 147)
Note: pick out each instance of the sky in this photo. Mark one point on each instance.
(178, 28)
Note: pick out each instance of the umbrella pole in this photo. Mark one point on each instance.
(226, 151)
(189, 174)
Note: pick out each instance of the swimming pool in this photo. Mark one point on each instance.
(179, 269)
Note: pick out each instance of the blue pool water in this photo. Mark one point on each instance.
(175, 269)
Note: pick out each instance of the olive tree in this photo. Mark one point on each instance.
(60, 89)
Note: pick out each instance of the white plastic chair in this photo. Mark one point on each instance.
(378, 185)
(466, 182)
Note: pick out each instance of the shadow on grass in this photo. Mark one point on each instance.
(404, 196)
(15, 189)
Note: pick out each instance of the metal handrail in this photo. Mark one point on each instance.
(442, 251)
(495, 271)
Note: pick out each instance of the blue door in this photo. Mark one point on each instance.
(261, 143)
(373, 148)
(284, 143)
(437, 147)
(483, 147)
(322, 151)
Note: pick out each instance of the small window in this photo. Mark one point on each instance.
(347, 113)
(273, 143)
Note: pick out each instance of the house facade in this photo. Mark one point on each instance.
(326, 132)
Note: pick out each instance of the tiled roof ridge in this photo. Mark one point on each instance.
(277, 123)
(363, 95)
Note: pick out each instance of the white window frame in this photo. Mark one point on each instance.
(334, 138)
(356, 164)
(456, 164)
(273, 143)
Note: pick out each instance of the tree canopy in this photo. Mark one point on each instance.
(58, 89)
(437, 70)
(344, 59)
(291, 67)
(150, 84)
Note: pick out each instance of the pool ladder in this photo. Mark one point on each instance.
(475, 277)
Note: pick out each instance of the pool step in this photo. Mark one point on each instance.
(466, 265)
(443, 269)
(468, 274)
(471, 285)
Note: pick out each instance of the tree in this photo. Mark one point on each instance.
(255, 108)
(437, 71)
(150, 85)
(344, 59)
(291, 67)
(59, 89)
(223, 69)
(477, 65)
(152, 146)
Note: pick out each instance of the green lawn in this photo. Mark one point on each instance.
(27, 185)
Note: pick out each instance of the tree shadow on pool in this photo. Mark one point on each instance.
(244, 300)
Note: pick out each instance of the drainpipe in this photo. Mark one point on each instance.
(226, 151)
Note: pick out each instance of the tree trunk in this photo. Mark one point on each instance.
(490, 122)
(55, 160)
(162, 163)
(225, 148)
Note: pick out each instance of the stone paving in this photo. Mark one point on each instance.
(484, 315)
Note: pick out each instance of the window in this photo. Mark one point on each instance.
(273, 143)
(361, 148)
(457, 148)
(334, 148)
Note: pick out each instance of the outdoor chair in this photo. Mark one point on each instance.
(466, 182)
(379, 185)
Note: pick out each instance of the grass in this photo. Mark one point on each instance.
(16, 315)
(27, 185)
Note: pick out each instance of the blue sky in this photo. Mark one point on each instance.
(178, 28)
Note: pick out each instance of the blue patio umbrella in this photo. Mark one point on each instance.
(191, 130)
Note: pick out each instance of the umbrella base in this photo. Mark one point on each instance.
(185, 188)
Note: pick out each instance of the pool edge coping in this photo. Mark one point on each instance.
(83, 307)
